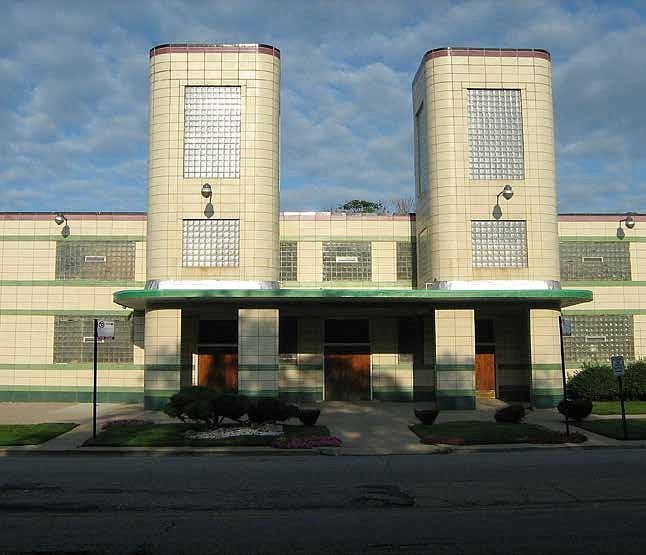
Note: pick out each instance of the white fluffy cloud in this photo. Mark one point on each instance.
(74, 105)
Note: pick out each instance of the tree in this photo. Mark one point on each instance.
(361, 207)
(400, 206)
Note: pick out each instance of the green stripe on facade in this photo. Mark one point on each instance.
(71, 366)
(69, 394)
(258, 367)
(601, 238)
(454, 368)
(401, 284)
(603, 283)
(70, 283)
(73, 238)
(551, 366)
(64, 312)
(606, 312)
(349, 238)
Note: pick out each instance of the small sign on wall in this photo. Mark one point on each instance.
(105, 329)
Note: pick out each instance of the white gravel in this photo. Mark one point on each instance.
(272, 430)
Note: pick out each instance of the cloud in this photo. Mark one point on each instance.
(74, 105)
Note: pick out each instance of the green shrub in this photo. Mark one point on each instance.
(510, 414)
(578, 409)
(598, 383)
(201, 404)
(271, 410)
(426, 416)
(308, 417)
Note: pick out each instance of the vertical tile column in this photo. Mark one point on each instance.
(392, 373)
(258, 352)
(162, 370)
(455, 359)
(547, 382)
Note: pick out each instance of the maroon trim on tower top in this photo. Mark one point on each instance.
(185, 48)
(483, 52)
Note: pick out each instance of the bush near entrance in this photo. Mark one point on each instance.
(510, 414)
(577, 409)
(597, 383)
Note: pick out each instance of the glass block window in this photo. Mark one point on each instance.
(599, 337)
(212, 132)
(347, 261)
(424, 252)
(495, 134)
(499, 243)
(96, 260)
(74, 340)
(421, 151)
(211, 243)
(288, 261)
(595, 260)
(405, 260)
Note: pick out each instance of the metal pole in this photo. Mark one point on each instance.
(96, 324)
(567, 420)
(623, 408)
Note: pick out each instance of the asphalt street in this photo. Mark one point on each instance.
(549, 501)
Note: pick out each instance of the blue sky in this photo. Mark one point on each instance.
(73, 108)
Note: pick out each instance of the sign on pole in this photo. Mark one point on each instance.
(619, 369)
(618, 366)
(105, 329)
(566, 327)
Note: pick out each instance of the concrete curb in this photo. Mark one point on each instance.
(157, 451)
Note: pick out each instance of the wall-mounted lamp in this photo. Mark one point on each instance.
(507, 192)
(60, 219)
(207, 193)
(629, 220)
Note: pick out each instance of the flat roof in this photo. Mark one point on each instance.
(140, 299)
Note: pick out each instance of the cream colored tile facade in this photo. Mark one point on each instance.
(423, 345)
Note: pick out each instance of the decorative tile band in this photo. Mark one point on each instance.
(258, 368)
(64, 312)
(603, 283)
(102, 366)
(606, 312)
(69, 394)
(601, 238)
(236, 48)
(546, 366)
(77, 216)
(73, 238)
(454, 368)
(70, 283)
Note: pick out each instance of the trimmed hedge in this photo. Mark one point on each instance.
(597, 383)
(511, 414)
(578, 409)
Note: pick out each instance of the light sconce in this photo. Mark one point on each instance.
(60, 219)
(507, 192)
(207, 193)
(629, 220)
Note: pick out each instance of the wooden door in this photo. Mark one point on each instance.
(485, 372)
(217, 368)
(347, 373)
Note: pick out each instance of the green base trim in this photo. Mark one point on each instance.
(155, 403)
(41, 394)
(399, 395)
(546, 401)
(424, 394)
(256, 394)
(455, 402)
(163, 367)
(300, 396)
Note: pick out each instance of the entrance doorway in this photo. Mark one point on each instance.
(485, 359)
(217, 368)
(217, 355)
(347, 360)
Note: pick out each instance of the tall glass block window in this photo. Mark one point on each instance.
(211, 243)
(74, 340)
(421, 151)
(499, 243)
(596, 338)
(405, 260)
(495, 134)
(96, 260)
(212, 118)
(347, 261)
(424, 251)
(595, 260)
(288, 261)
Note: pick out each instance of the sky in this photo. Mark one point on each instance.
(74, 82)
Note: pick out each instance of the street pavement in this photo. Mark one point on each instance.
(547, 501)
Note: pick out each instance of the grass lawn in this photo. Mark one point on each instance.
(172, 435)
(484, 433)
(31, 434)
(614, 429)
(614, 407)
